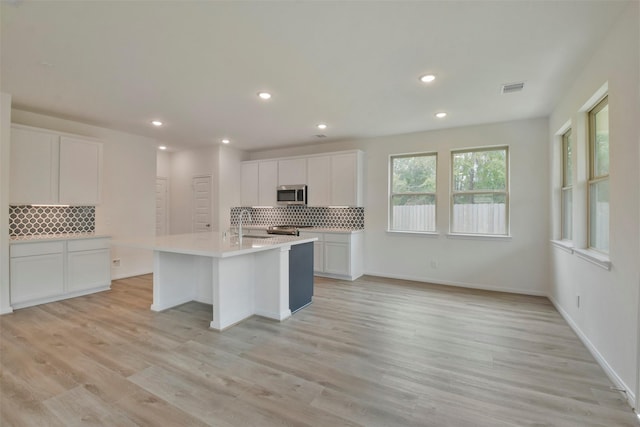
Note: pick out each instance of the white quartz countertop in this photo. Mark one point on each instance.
(55, 237)
(215, 245)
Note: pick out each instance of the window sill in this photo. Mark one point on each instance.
(565, 245)
(416, 233)
(494, 237)
(597, 258)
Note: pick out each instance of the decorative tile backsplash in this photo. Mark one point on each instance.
(349, 218)
(33, 220)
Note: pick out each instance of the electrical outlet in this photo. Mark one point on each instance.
(434, 263)
(116, 262)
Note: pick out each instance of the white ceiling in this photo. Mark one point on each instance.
(352, 64)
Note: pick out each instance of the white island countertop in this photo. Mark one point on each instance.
(212, 244)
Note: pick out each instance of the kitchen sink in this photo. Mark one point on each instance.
(257, 236)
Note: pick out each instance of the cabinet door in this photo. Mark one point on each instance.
(267, 183)
(34, 277)
(249, 184)
(344, 180)
(318, 180)
(337, 258)
(80, 171)
(88, 269)
(34, 167)
(292, 172)
(318, 256)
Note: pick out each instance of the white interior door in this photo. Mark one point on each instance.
(201, 203)
(162, 206)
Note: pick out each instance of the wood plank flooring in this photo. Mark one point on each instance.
(374, 352)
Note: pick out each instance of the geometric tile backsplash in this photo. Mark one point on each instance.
(320, 217)
(40, 220)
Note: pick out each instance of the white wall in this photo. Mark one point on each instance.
(5, 145)
(163, 164)
(184, 166)
(607, 319)
(128, 187)
(519, 264)
(229, 184)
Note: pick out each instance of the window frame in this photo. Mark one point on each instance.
(391, 193)
(566, 185)
(593, 179)
(506, 192)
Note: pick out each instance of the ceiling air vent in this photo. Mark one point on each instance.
(512, 87)
(321, 136)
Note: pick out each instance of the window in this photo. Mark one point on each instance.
(599, 177)
(412, 205)
(480, 192)
(566, 205)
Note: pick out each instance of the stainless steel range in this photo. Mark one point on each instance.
(289, 230)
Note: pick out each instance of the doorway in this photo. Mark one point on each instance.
(201, 186)
(162, 206)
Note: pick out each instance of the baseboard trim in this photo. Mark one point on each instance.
(611, 373)
(127, 275)
(458, 284)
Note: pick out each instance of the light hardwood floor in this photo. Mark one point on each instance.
(374, 352)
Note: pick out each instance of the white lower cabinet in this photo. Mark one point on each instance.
(337, 255)
(88, 264)
(37, 271)
(49, 271)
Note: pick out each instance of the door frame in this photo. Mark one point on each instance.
(167, 216)
(193, 207)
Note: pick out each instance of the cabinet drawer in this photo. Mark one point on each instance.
(337, 237)
(87, 244)
(40, 248)
(311, 234)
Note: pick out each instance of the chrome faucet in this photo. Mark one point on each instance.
(240, 222)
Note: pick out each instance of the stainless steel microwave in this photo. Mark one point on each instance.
(292, 194)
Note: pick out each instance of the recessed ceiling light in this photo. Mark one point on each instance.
(427, 78)
(264, 95)
(441, 115)
(157, 123)
(225, 140)
(322, 126)
(162, 147)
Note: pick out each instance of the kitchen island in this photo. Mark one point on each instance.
(239, 277)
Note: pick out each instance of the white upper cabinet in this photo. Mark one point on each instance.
(259, 182)
(346, 179)
(80, 171)
(267, 183)
(50, 168)
(292, 172)
(34, 167)
(332, 179)
(318, 180)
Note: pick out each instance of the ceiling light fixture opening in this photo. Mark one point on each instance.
(156, 123)
(264, 95)
(162, 147)
(322, 126)
(225, 140)
(441, 115)
(427, 78)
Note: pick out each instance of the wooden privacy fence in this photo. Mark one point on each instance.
(480, 218)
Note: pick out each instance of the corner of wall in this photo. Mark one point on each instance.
(5, 145)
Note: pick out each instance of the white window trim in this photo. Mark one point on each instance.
(463, 235)
(594, 180)
(390, 195)
(563, 187)
(594, 257)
